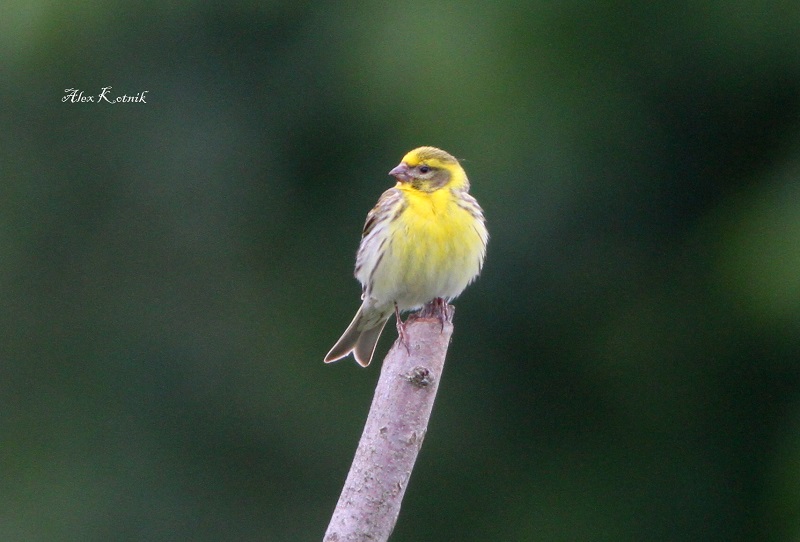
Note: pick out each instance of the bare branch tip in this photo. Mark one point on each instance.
(437, 309)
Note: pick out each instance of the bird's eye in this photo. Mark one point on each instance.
(424, 169)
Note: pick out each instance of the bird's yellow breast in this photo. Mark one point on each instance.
(436, 249)
(435, 216)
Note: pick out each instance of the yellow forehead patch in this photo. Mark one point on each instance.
(428, 154)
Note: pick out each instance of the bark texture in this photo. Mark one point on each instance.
(370, 501)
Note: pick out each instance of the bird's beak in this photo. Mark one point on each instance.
(401, 172)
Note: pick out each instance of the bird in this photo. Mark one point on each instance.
(425, 240)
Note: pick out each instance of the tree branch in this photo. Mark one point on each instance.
(398, 419)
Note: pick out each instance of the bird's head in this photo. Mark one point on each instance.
(429, 169)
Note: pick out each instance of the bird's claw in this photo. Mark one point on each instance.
(401, 329)
(436, 308)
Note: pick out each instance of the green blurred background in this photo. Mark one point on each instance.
(173, 272)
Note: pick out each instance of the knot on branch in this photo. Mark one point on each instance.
(419, 376)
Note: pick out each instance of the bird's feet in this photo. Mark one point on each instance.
(401, 329)
(437, 308)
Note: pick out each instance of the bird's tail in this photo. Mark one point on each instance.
(360, 338)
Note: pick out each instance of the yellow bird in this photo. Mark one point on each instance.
(424, 240)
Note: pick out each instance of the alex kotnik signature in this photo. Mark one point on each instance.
(74, 95)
